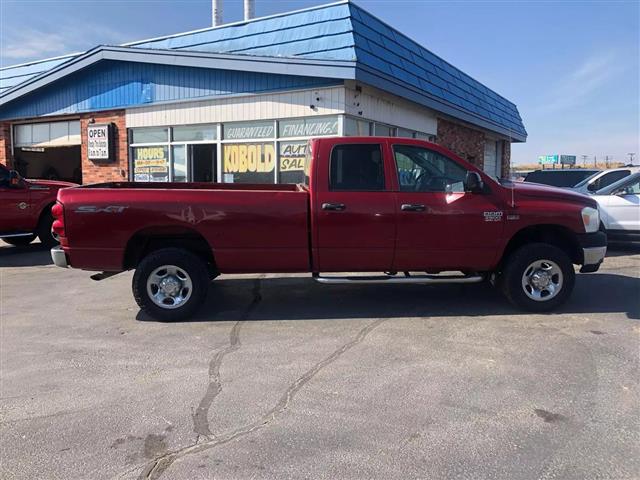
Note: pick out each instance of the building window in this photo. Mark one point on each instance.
(150, 135)
(249, 162)
(291, 161)
(384, 130)
(308, 127)
(249, 130)
(151, 164)
(195, 133)
(357, 128)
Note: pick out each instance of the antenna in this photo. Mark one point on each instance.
(513, 188)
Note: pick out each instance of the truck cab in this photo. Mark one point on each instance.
(25, 208)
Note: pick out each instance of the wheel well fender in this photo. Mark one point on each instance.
(44, 211)
(150, 239)
(556, 235)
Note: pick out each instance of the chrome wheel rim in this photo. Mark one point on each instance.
(542, 280)
(169, 287)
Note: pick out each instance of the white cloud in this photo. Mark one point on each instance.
(577, 86)
(24, 44)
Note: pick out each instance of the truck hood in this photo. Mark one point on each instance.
(52, 184)
(525, 190)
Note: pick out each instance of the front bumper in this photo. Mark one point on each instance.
(59, 257)
(594, 249)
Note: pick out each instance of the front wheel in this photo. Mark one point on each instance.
(538, 277)
(170, 284)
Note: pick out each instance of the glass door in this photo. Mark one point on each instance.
(202, 161)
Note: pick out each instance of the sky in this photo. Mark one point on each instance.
(571, 67)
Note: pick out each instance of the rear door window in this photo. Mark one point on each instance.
(356, 167)
(608, 178)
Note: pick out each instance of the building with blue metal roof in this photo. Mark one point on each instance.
(181, 107)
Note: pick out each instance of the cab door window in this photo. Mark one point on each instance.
(423, 170)
(356, 167)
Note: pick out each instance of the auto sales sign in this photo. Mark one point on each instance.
(100, 142)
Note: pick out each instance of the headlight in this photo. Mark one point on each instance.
(590, 219)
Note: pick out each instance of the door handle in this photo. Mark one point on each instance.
(337, 207)
(412, 207)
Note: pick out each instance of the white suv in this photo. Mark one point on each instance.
(603, 179)
(619, 206)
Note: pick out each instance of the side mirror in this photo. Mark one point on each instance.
(15, 180)
(473, 182)
(592, 187)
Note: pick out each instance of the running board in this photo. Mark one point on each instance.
(388, 279)
(15, 235)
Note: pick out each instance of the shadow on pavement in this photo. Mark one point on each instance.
(303, 299)
(621, 250)
(29, 256)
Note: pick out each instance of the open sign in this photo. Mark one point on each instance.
(100, 142)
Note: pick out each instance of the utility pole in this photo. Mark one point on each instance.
(584, 160)
(631, 155)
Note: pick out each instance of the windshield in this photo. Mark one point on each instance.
(586, 180)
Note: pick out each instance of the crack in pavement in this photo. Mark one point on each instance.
(201, 416)
(155, 469)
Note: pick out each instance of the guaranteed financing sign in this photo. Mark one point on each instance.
(99, 142)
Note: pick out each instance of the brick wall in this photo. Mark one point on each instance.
(106, 172)
(468, 143)
(465, 142)
(506, 158)
(5, 144)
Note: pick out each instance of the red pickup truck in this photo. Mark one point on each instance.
(25, 208)
(407, 209)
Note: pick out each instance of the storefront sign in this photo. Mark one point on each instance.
(150, 164)
(292, 156)
(99, 142)
(308, 127)
(248, 130)
(249, 158)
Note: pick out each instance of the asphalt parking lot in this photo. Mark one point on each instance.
(284, 378)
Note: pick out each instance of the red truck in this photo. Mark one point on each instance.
(394, 206)
(25, 208)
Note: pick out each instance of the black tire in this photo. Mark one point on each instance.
(187, 263)
(517, 265)
(19, 241)
(44, 230)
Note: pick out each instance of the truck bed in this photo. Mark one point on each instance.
(249, 227)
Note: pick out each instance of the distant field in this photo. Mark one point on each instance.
(527, 167)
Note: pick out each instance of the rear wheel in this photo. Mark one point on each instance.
(170, 284)
(19, 241)
(45, 234)
(538, 277)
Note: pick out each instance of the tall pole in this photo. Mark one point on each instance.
(249, 9)
(216, 12)
(631, 155)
